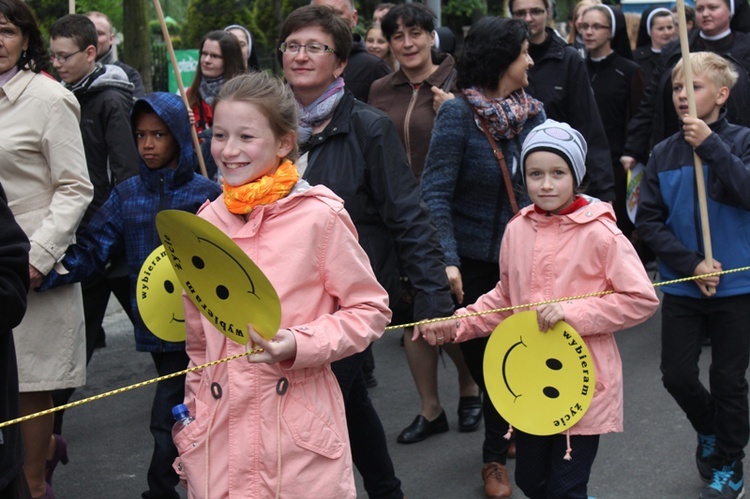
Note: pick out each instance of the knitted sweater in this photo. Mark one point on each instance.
(462, 183)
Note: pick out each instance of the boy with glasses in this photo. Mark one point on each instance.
(106, 96)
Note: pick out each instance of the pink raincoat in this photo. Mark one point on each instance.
(554, 256)
(254, 436)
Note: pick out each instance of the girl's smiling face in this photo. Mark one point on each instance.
(376, 43)
(549, 181)
(244, 145)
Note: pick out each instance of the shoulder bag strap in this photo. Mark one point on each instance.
(499, 156)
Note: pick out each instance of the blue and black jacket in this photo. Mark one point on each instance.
(668, 218)
(126, 221)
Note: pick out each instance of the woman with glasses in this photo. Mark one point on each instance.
(560, 81)
(407, 96)
(468, 190)
(618, 86)
(354, 149)
(43, 170)
(220, 61)
(575, 36)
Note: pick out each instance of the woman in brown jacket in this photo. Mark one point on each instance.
(408, 96)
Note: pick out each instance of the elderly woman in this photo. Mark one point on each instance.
(355, 150)
(407, 97)
(43, 171)
(472, 194)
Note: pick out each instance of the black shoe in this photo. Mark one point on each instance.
(370, 380)
(421, 429)
(469, 413)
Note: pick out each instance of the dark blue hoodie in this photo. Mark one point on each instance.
(126, 222)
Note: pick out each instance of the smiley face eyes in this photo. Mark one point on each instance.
(551, 391)
(222, 292)
(169, 287)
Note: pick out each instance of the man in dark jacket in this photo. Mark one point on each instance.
(559, 79)
(14, 285)
(656, 118)
(106, 97)
(362, 68)
(105, 53)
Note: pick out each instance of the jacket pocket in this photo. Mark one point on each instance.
(191, 446)
(310, 430)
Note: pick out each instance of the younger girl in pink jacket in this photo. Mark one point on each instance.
(273, 424)
(563, 245)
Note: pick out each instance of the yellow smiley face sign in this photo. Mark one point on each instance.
(540, 382)
(218, 277)
(159, 297)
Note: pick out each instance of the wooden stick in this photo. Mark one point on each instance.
(178, 77)
(71, 6)
(687, 71)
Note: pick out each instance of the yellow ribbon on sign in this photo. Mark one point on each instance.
(541, 382)
(158, 296)
(218, 277)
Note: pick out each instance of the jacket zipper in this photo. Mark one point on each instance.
(407, 119)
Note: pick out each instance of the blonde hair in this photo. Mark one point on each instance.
(719, 70)
(632, 22)
(580, 5)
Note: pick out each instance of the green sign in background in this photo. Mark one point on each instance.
(187, 63)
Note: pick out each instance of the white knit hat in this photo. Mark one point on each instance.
(561, 139)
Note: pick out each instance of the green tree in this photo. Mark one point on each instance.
(137, 51)
(207, 15)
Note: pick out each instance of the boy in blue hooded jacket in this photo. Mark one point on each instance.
(126, 224)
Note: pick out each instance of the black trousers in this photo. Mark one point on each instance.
(478, 278)
(723, 410)
(366, 434)
(541, 471)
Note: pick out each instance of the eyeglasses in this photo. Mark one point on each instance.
(521, 14)
(595, 27)
(313, 48)
(62, 59)
(209, 55)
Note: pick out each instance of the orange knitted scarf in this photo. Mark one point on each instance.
(267, 189)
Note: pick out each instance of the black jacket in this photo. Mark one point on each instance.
(133, 75)
(559, 79)
(656, 118)
(106, 97)
(359, 156)
(618, 84)
(648, 60)
(14, 285)
(363, 68)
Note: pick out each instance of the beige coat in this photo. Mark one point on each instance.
(43, 171)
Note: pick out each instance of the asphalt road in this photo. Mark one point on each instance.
(110, 444)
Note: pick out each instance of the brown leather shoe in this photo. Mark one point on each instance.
(496, 484)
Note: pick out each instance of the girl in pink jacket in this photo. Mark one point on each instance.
(273, 424)
(563, 245)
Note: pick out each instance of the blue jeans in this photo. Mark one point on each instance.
(162, 479)
(366, 434)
